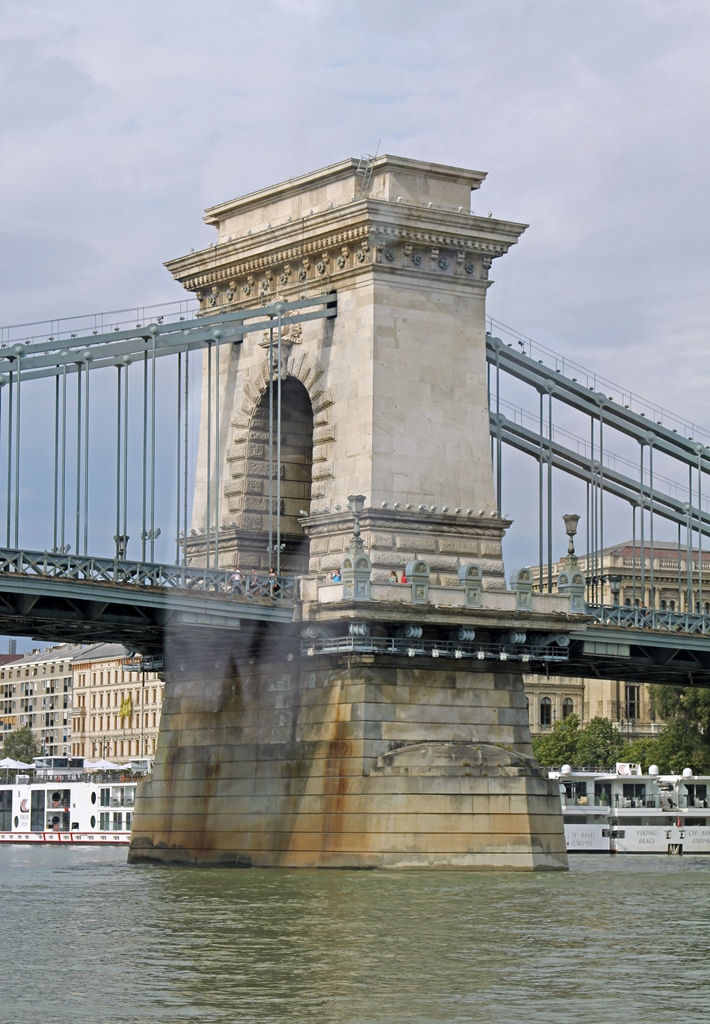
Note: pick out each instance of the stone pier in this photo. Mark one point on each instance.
(387, 726)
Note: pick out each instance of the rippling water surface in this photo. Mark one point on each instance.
(87, 940)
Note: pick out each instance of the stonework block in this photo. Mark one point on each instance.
(420, 542)
(324, 433)
(459, 546)
(379, 540)
(492, 549)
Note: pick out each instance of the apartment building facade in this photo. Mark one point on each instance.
(82, 700)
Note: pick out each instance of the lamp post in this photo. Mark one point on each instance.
(356, 504)
(121, 542)
(571, 522)
(615, 585)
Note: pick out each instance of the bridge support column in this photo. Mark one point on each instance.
(357, 761)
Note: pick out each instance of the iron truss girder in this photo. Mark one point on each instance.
(560, 457)
(51, 358)
(595, 404)
(132, 608)
(642, 656)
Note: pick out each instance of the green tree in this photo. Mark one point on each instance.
(680, 745)
(690, 703)
(21, 745)
(559, 746)
(643, 751)
(599, 745)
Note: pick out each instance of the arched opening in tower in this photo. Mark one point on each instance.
(291, 487)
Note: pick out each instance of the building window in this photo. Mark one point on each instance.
(567, 707)
(545, 712)
(664, 605)
(672, 606)
(633, 702)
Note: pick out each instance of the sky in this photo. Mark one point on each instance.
(121, 122)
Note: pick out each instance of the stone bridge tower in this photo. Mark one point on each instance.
(374, 734)
(387, 400)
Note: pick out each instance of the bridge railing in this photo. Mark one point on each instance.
(633, 617)
(147, 574)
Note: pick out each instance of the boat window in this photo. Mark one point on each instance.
(57, 820)
(698, 822)
(117, 821)
(37, 812)
(59, 798)
(5, 810)
(697, 795)
(576, 792)
(104, 819)
(123, 796)
(633, 795)
(603, 793)
(105, 797)
(582, 820)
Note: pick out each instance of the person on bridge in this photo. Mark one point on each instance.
(274, 585)
(237, 585)
(392, 577)
(254, 582)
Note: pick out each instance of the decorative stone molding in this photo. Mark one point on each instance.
(418, 573)
(572, 582)
(356, 569)
(522, 583)
(471, 579)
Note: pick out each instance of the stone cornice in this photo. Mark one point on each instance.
(340, 225)
(409, 522)
(343, 243)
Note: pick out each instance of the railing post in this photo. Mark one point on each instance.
(471, 579)
(572, 582)
(418, 573)
(522, 583)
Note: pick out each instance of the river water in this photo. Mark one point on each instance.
(88, 940)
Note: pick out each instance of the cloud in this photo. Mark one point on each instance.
(121, 124)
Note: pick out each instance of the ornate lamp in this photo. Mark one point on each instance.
(615, 584)
(356, 504)
(571, 522)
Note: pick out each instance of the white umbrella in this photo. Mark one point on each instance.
(101, 765)
(9, 762)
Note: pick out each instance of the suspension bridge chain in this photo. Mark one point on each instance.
(661, 478)
(122, 437)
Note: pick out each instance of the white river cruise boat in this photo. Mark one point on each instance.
(69, 800)
(626, 811)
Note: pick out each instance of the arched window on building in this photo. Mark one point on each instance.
(627, 601)
(664, 605)
(545, 712)
(672, 606)
(567, 707)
